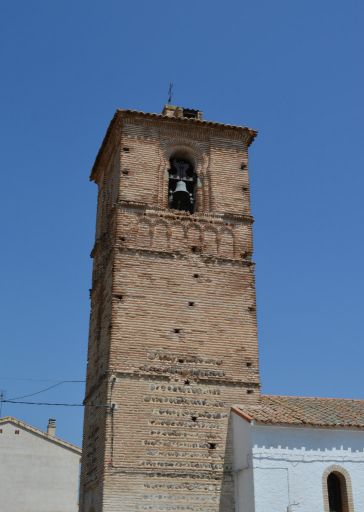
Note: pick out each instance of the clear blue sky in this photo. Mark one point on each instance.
(291, 69)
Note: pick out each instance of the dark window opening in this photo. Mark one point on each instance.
(125, 172)
(212, 446)
(194, 418)
(248, 365)
(191, 113)
(191, 304)
(177, 331)
(336, 489)
(187, 382)
(16, 432)
(126, 150)
(249, 391)
(182, 185)
(196, 276)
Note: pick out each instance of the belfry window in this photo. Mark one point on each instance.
(336, 489)
(182, 185)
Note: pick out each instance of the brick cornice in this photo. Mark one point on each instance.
(231, 132)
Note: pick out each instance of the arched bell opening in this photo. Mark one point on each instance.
(182, 184)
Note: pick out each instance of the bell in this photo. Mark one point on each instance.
(181, 197)
(181, 187)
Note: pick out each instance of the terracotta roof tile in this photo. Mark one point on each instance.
(296, 410)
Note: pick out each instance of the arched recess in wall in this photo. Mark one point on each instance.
(337, 490)
(144, 235)
(161, 236)
(210, 241)
(194, 237)
(183, 158)
(178, 236)
(226, 245)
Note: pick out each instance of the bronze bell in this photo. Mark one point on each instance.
(181, 197)
(181, 187)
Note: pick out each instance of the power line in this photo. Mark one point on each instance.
(55, 404)
(30, 379)
(45, 389)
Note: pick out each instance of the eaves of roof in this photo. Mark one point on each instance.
(304, 411)
(40, 433)
(120, 113)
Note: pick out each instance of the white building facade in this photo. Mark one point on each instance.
(38, 472)
(295, 454)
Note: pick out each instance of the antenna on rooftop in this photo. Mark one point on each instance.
(170, 93)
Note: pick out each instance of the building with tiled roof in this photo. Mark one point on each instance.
(299, 453)
(39, 472)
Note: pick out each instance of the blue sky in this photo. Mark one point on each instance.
(292, 70)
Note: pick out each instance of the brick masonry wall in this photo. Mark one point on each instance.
(173, 338)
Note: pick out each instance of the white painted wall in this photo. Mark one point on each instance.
(288, 464)
(36, 475)
(242, 464)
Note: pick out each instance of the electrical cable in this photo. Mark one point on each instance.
(30, 379)
(45, 389)
(55, 404)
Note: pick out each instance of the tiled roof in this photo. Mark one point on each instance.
(40, 433)
(296, 410)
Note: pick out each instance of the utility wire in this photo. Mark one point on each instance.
(45, 389)
(30, 379)
(58, 404)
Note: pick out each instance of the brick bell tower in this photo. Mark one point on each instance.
(173, 335)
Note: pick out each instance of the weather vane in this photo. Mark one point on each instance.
(170, 93)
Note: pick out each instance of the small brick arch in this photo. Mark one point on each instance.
(144, 234)
(194, 235)
(178, 237)
(185, 148)
(226, 243)
(344, 476)
(161, 235)
(210, 241)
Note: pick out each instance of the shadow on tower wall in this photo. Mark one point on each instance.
(227, 502)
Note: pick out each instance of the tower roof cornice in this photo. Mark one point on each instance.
(189, 120)
(126, 115)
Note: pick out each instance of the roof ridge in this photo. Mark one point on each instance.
(41, 433)
(314, 397)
